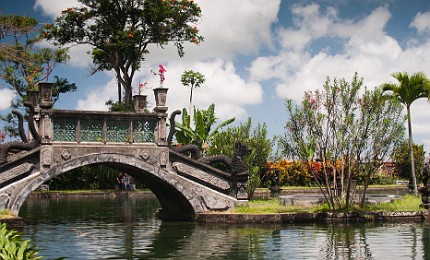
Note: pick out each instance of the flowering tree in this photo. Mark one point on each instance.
(121, 30)
(348, 133)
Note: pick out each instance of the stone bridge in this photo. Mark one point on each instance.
(132, 142)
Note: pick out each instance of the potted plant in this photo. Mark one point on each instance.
(139, 100)
(160, 92)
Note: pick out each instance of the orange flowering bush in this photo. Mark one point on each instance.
(291, 173)
(296, 173)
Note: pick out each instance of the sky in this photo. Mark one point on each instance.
(257, 53)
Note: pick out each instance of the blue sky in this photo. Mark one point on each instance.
(256, 53)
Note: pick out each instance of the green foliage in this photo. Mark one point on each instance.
(256, 139)
(119, 107)
(202, 134)
(121, 31)
(13, 247)
(403, 161)
(193, 79)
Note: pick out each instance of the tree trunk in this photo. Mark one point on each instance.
(411, 151)
(191, 102)
(119, 93)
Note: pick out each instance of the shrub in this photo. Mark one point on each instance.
(13, 247)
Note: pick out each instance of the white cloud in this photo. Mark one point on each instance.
(236, 27)
(96, 97)
(6, 96)
(223, 87)
(54, 8)
(349, 46)
(421, 22)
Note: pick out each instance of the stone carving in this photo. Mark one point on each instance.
(236, 165)
(163, 158)
(66, 155)
(46, 128)
(24, 145)
(184, 169)
(46, 156)
(15, 172)
(145, 155)
(242, 192)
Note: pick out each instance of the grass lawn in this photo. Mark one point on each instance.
(407, 203)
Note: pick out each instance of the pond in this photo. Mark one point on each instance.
(126, 227)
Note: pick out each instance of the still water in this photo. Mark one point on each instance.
(126, 228)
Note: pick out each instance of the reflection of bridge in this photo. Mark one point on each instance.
(132, 142)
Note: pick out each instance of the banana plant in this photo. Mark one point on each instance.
(204, 127)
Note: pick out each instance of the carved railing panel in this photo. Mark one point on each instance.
(70, 126)
(118, 131)
(65, 129)
(143, 131)
(91, 130)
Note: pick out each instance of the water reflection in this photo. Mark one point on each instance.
(126, 228)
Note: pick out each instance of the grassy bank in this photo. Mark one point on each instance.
(406, 203)
(6, 214)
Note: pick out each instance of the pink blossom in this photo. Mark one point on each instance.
(161, 71)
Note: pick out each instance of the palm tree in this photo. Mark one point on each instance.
(192, 79)
(409, 89)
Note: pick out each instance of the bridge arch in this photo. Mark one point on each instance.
(179, 197)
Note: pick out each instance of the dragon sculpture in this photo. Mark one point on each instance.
(235, 165)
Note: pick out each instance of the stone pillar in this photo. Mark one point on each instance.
(46, 132)
(160, 130)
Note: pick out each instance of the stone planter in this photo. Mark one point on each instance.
(139, 102)
(45, 89)
(160, 96)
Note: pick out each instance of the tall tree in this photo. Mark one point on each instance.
(120, 32)
(409, 89)
(192, 79)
